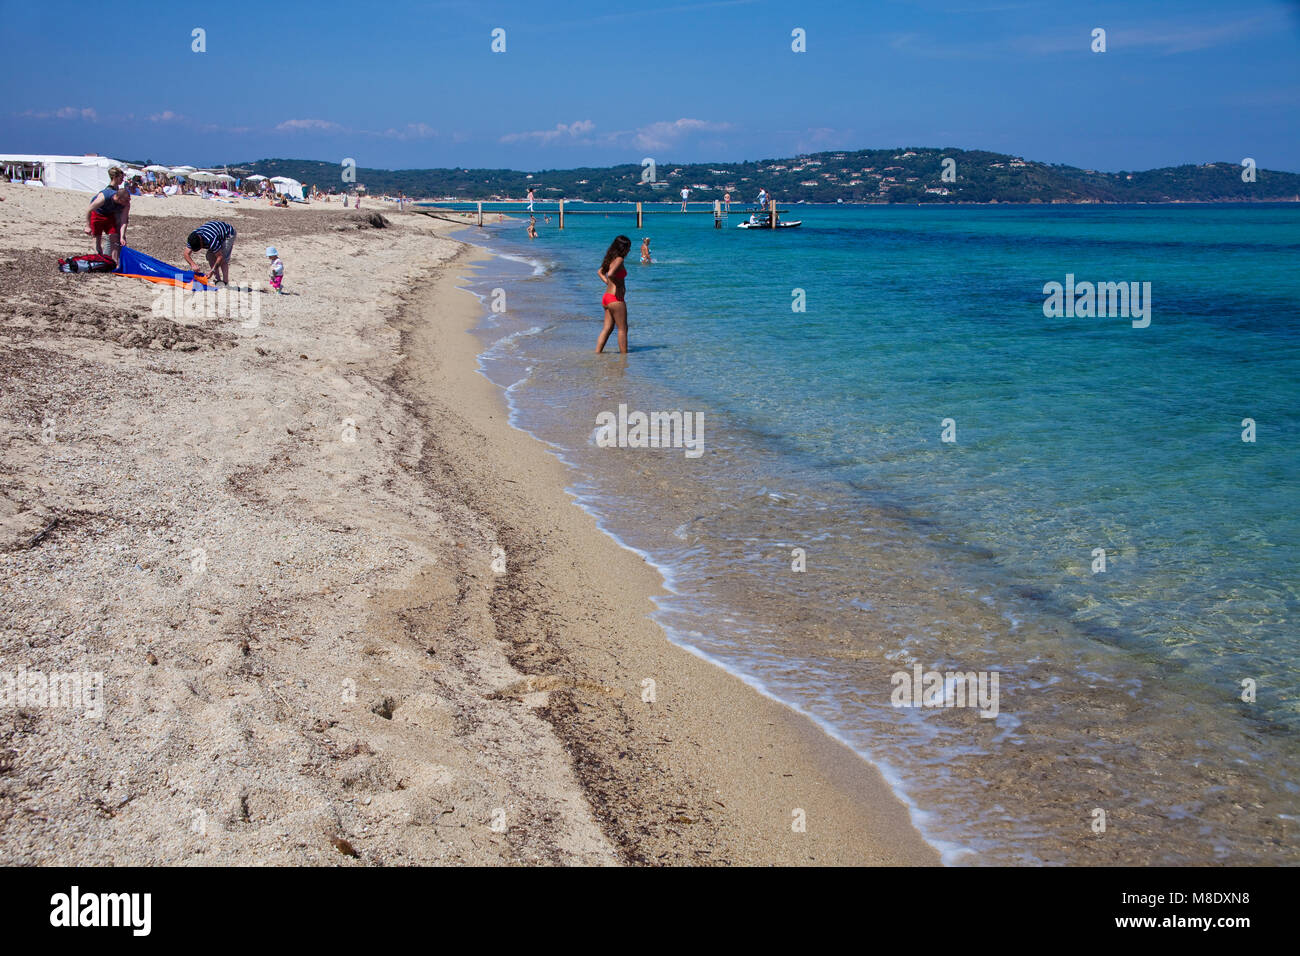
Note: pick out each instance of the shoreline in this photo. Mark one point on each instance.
(275, 545)
(769, 633)
(852, 814)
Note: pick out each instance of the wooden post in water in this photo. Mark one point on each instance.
(480, 215)
(773, 202)
(638, 216)
(717, 214)
(561, 213)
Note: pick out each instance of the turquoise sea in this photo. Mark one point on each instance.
(828, 539)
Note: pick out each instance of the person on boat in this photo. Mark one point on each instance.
(753, 220)
(613, 273)
(645, 251)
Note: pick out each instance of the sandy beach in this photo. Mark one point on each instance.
(345, 614)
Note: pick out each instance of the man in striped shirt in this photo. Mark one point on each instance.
(218, 238)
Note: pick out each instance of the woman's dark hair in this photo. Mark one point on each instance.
(621, 246)
(193, 241)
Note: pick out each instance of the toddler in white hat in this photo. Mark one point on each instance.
(277, 269)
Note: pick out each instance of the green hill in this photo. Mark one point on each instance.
(911, 175)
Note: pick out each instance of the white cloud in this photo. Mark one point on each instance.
(666, 133)
(166, 116)
(410, 131)
(407, 132)
(572, 131)
(67, 112)
(301, 124)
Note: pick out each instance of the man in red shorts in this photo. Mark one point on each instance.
(108, 214)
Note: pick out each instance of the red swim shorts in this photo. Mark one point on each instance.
(101, 224)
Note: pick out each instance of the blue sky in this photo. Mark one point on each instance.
(400, 85)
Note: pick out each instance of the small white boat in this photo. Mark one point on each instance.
(766, 223)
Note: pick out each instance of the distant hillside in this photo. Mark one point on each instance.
(910, 175)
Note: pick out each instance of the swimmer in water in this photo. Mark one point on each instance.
(645, 251)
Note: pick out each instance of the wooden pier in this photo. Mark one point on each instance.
(719, 214)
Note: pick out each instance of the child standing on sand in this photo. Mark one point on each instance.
(277, 269)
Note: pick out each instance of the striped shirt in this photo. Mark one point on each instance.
(214, 232)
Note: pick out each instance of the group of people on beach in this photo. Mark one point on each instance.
(109, 213)
(216, 238)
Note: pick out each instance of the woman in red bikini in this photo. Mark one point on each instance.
(612, 273)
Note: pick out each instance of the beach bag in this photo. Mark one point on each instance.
(88, 263)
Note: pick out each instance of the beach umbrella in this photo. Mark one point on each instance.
(256, 178)
(156, 169)
(202, 177)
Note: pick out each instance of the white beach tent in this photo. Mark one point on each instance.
(84, 173)
(288, 187)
